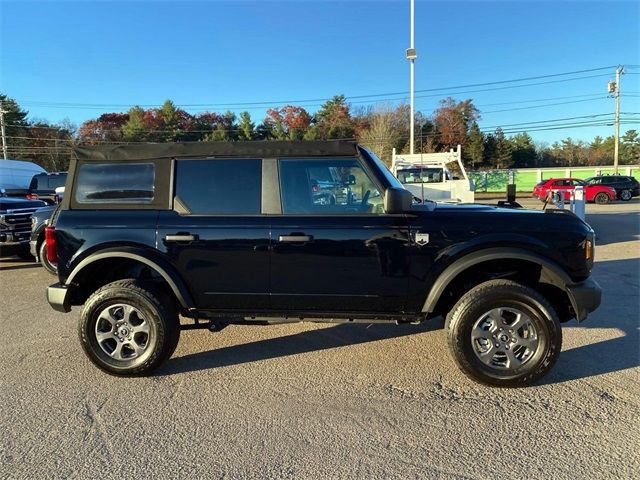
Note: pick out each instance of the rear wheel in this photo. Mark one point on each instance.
(129, 328)
(602, 198)
(504, 334)
(625, 195)
(52, 268)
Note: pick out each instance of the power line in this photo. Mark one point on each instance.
(369, 96)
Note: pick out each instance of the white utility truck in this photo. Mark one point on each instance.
(439, 177)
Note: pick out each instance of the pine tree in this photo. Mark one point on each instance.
(334, 119)
(475, 146)
(135, 130)
(524, 151)
(169, 115)
(246, 127)
(503, 150)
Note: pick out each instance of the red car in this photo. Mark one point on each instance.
(593, 193)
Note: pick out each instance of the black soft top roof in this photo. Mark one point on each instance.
(254, 149)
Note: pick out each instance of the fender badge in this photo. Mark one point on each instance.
(422, 238)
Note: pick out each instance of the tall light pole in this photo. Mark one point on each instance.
(616, 144)
(411, 56)
(4, 138)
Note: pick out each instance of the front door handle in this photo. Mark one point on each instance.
(181, 237)
(295, 238)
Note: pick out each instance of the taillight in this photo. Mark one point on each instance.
(32, 196)
(50, 242)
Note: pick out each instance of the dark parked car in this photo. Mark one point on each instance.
(626, 187)
(230, 233)
(15, 225)
(39, 220)
(43, 186)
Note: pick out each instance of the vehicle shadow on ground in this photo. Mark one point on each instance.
(620, 311)
(339, 335)
(15, 263)
(614, 228)
(619, 279)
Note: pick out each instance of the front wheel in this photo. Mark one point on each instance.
(625, 195)
(601, 198)
(129, 328)
(504, 334)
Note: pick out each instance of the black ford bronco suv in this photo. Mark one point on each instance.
(236, 233)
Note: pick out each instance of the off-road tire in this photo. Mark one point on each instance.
(503, 293)
(601, 198)
(625, 195)
(157, 307)
(44, 261)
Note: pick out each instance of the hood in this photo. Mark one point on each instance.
(9, 203)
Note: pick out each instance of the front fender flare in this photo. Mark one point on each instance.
(551, 272)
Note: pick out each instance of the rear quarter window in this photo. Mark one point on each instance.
(131, 183)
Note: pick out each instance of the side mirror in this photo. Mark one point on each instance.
(397, 200)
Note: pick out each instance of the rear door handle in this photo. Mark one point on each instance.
(295, 238)
(181, 237)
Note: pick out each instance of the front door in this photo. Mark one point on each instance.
(333, 247)
(216, 236)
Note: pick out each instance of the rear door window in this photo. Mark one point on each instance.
(220, 186)
(115, 183)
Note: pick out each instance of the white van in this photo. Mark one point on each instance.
(16, 175)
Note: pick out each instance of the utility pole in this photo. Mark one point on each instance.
(4, 137)
(616, 147)
(411, 56)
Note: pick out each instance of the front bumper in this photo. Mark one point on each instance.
(14, 238)
(58, 297)
(33, 248)
(585, 297)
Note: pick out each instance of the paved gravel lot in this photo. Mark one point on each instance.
(317, 401)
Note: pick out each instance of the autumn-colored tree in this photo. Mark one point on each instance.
(453, 120)
(288, 123)
(106, 128)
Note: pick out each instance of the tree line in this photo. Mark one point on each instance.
(382, 129)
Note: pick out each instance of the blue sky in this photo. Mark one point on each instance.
(123, 53)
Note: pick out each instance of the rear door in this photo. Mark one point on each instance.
(215, 234)
(334, 248)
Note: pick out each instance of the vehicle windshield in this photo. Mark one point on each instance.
(421, 175)
(393, 181)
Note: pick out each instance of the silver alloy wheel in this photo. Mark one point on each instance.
(504, 338)
(122, 332)
(625, 195)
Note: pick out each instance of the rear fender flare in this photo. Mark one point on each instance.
(163, 267)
